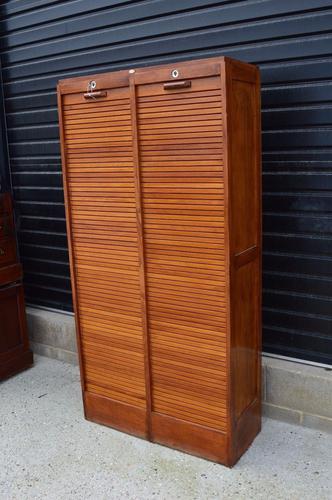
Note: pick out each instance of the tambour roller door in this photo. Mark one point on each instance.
(103, 226)
(162, 186)
(182, 182)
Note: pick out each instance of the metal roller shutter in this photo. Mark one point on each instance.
(44, 41)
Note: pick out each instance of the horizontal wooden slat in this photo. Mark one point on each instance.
(94, 387)
(100, 181)
(181, 153)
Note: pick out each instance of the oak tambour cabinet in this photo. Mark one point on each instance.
(161, 171)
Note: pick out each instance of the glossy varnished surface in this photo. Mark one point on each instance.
(162, 186)
(181, 156)
(101, 195)
(14, 346)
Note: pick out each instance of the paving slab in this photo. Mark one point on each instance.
(48, 451)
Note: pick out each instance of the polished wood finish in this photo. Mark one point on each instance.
(162, 188)
(15, 354)
(105, 249)
(186, 330)
(141, 249)
(122, 416)
(10, 274)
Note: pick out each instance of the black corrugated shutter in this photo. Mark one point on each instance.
(44, 41)
(4, 161)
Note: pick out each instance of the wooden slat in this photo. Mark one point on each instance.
(101, 188)
(181, 152)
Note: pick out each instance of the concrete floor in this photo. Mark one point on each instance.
(48, 451)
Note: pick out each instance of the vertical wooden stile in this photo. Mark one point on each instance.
(224, 76)
(139, 215)
(259, 231)
(70, 241)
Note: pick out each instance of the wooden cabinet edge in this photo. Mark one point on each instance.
(244, 427)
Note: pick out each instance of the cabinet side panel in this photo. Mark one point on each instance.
(105, 255)
(244, 336)
(245, 243)
(14, 347)
(244, 187)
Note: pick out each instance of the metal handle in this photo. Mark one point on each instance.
(2, 251)
(177, 85)
(95, 95)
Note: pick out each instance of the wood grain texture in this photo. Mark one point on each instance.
(162, 185)
(105, 245)
(15, 354)
(141, 250)
(192, 438)
(122, 416)
(10, 274)
(244, 233)
(185, 227)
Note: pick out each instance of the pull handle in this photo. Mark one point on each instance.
(2, 252)
(95, 95)
(177, 85)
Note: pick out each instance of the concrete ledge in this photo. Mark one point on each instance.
(298, 393)
(280, 413)
(54, 352)
(52, 334)
(292, 392)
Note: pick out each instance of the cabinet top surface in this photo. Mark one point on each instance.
(185, 69)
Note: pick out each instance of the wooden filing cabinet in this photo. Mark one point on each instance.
(163, 197)
(15, 354)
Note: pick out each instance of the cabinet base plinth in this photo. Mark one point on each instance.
(175, 433)
(190, 438)
(120, 416)
(247, 427)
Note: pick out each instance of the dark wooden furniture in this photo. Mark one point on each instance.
(162, 183)
(14, 347)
